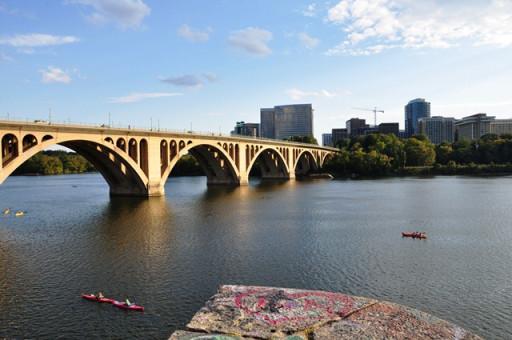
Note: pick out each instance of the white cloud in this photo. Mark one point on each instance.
(194, 35)
(308, 41)
(211, 77)
(190, 80)
(139, 96)
(4, 57)
(54, 75)
(126, 13)
(252, 40)
(297, 94)
(37, 40)
(310, 10)
(373, 26)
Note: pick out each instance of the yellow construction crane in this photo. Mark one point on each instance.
(374, 110)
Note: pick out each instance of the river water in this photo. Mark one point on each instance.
(170, 254)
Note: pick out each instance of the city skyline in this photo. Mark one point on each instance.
(142, 60)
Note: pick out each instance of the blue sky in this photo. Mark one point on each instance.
(212, 63)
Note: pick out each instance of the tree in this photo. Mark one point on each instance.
(302, 139)
(419, 152)
(462, 152)
(51, 165)
(444, 153)
(339, 163)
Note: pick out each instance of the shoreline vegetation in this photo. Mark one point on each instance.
(363, 157)
(50, 162)
(386, 155)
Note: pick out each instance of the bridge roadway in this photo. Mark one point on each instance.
(138, 162)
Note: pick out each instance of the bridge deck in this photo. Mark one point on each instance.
(105, 129)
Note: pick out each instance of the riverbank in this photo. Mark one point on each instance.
(439, 170)
(247, 312)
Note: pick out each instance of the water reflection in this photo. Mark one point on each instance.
(171, 253)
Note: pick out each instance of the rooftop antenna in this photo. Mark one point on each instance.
(374, 110)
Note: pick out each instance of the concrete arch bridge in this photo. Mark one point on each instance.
(138, 162)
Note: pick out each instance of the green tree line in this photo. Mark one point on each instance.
(55, 163)
(62, 162)
(380, 155)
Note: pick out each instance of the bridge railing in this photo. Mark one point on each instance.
(157, 129)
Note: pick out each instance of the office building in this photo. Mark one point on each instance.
(267, 123)
(501, 126)
(414, 110)
(387, 128)
(286, 121)
(327, 139)
(368, 130)
(473, 127)
(246, 129)
(338, 135)
(438, 129)
(356, 127)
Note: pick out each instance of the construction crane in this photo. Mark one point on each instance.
(374, 110)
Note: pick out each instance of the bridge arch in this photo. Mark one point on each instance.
(215, 162)
(29, 140)
(305, 163)
(122, 174)
(121, 143)
(10, 148)
(271, 161)
(132, 150)
(326, 157)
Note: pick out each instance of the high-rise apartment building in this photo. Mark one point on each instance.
(327, 139)
(286, 121)
(246, 129)
(438, 129)
(414, 110)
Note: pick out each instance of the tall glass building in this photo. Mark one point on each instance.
(414, 110)
(286, 121)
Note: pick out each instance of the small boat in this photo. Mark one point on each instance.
(19, 213)
(92, 297)
(7, 211)
(415, 234)
(123, 305)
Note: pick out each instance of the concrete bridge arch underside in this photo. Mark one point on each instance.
(138, 162)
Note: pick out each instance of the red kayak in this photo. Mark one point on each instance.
(123, 305)
(92, 297)
(415, 234)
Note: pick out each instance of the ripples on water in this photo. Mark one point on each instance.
(170, 254)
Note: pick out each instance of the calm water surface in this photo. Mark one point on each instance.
(170, 254)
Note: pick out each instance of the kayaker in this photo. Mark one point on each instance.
(128, 303)
(100, 295)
